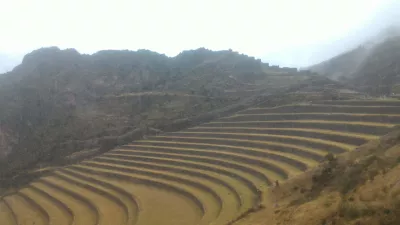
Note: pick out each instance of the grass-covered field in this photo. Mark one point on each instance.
(209, 174)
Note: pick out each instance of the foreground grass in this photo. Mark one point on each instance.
(359, 187)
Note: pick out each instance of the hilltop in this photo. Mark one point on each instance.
(59, 102)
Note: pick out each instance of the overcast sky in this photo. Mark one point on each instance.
(287, 32)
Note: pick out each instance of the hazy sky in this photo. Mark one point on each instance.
(292, 33)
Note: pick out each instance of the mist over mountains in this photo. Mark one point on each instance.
(8, 62)
(372, 66)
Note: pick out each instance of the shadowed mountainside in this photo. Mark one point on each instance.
(57, 102)
(372, 67)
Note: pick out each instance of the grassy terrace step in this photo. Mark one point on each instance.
(329, 135)
(111, 209)
(198, 200)
(88, 197)
(161, 207)
(235, 188)
(361, 102)
(264, 177)
(278, 147)
(242, 177)
(369, 129)
(355, 118)
(55, 214)
(300, 163)
(326, 109)
(64, 214)
(151, 198)
(130, 202)
(7, 216)
(38, 208)
(334, 147)
(222, 201)
(281, 169)
(83, 210)
(26, 212)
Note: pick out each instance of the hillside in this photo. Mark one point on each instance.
(373, 67)
(358, 187)
(58, 102)
(237, 169)
(343, 65)
(268, 147)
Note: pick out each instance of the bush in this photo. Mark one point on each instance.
(332, 160)
(130, 136)
(349, 211)
(107, 143)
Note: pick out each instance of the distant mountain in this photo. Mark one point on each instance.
(373, 66)
(57, 102)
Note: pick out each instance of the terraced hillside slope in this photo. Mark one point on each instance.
(214, 173)
(60, 102)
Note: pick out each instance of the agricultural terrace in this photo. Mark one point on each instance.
(209, 174)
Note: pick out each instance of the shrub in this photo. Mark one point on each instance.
(107, 143)
(332, 160)
(349, 211)
(372, 173)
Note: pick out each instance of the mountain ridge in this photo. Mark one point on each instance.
(373, 62)
(57, 96)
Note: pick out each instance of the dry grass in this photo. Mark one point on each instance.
(170, 208)
(25, 212)
(251, 182)
(128, 200)
(243, 142)
(106, 203)
(219, 175)
(263, 176)
(6, 215)
(314, 113)
(199, 201)
(345, 147)
(219, 196)
(57, 215)
(370, 195)
(248, 150)
(284, 167)
(81, 213)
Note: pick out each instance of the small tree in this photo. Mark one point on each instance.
(332, 160)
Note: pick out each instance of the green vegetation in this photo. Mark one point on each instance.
(122, 137)
(222, 169)
(59, 102)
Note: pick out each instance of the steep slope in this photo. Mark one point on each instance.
(372, 67)
(379, 73)
(342, 65)
(57, 102)
(217, 172)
